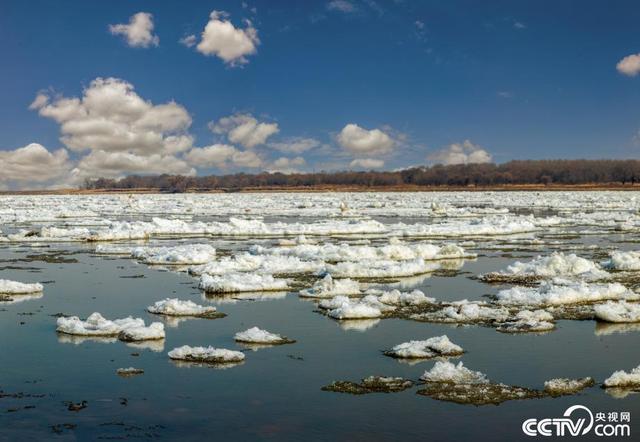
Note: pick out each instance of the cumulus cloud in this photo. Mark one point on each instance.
(111, 117)
(629, 65)
(287, 165)
(189, 40)
(33, 164)
(222, 39)
(244, 129)
(118, 164)
(366, 163)
(139, 32)
(295, 145)
(222, 156)
(341, 5)
(358, 140)
(461, 153)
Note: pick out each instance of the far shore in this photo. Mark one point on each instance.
(346, 188)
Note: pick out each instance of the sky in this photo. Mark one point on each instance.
(109, 89)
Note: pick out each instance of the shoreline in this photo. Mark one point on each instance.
(339, 189)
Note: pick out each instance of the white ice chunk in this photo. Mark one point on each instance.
(622, 378)
(241, 282)
(618, 312)
(569, 293)
(444, 371)
(178, 255)
(8, 287)
(628, 261)
(430, 348)
(557, 265)
(178, 307)
(256, 335)
(132, 334)
(96, 325)
(328, 287)
(206, 354)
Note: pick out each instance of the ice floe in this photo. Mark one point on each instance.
(444, 371)
(565, 386)
(255, 335)
(624, 379)
(141, 333)
(241, 282)
(527, 321)
(430, 348)
(178, 307)
(371, 384)
(177, 255)
(621, 311)
(208, 355)
(381, 269)
(550, 293)
(546, 267)
(626, 261)
(8, 287)
(96, 325)
(329, 287)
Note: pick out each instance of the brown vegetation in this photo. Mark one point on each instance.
(538, 174)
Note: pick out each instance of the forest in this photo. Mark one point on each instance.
(522, 172)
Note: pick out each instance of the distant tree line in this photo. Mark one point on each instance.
(536, 172)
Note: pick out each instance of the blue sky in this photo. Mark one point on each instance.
(384, 84)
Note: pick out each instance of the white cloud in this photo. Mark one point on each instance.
(367, 163)
(222, 39)
(341, 5)
(244, 129)
(111, 117)
(357, 140)
(189, 40)
(222, 156)
(139, 31)
(629, 65)
(287, 165)
(295, 145)
(519, 25)
(33, 164)
(461, 153)
(118, 164)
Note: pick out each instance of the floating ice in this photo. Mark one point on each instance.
(209, 355)
(381, 269)
(621, 311)
(96, 325)
(178, 255)
(342, 307)
(129, 371)
(565, 386)
(430, 348)
(178, 307)
(255, 335)
(398, 298)
(628, 261)
(266, 264)
(466, 312)
(566, 293)
(241, 282)
(371, 384)
(621, 378)
(8, 287)
(444, 371)
(328, 287)
(546, 267)
(133, 334)
(528, 321)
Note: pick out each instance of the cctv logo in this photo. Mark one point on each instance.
(577, 420)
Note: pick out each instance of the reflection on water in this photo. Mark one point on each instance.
(65, 338)
(610, 328)
(359, 325)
